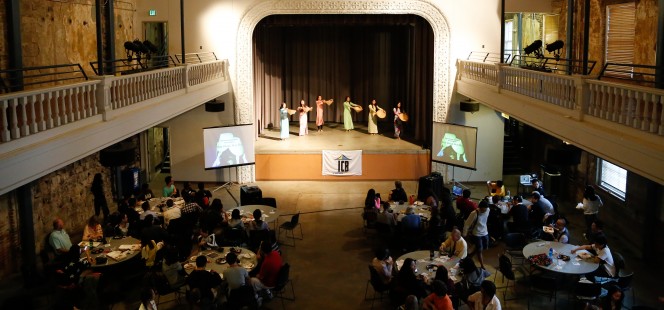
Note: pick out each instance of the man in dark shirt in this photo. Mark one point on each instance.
(465, 205)
(204, 281)
(519, 214)
(398, 194)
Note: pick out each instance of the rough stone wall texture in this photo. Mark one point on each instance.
(59, 32)
(9, 236)
(3, 35)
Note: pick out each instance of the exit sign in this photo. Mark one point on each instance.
(153, 12)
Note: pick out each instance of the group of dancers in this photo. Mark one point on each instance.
(374, 113)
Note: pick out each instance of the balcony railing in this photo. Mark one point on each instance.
(638, 107)
(29, 112)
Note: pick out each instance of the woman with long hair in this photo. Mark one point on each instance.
(348, 118)
(373, 118)
(97, 190)
(591, 204)
(283, 114)
(319, 111)
(398, 125)
(303, 109)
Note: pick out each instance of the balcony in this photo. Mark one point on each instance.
(621, 123)
(45, 129)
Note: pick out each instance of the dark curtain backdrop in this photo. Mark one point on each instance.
(383, 57)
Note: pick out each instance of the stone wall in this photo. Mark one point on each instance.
(3, 35)
(9, 236)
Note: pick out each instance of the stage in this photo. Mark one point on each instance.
(299, 157)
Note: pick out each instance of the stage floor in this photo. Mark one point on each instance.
(333, 137)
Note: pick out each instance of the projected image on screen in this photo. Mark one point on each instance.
(454, 145)
(228, 146)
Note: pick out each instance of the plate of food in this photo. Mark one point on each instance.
(189, 266)
(220, 261)
(236, 251)
(563, 257)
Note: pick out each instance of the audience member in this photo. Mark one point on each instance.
(475, 227)
(596, 229)
(547, 206)
(235, 275)
(438, 299)
(188, 191)
(536, 213)
(384, 265)
(172, 268)
(203, 195)
(147, 210)
(537, 186)
(205, 282)
(472, 278)
(149, 249)
(398, 194)
(411, 221)
(408, 283)
(147, 192)
(172, 212)
(410, 304)
(455, 245)
(153, 231)
(77, 273)
(93, 230)
(207, 239)
(121, 229)
(169, 189)
(59, 239)
(258, 223)
(442, 274)
(591, 204)
(212, 217)
(236, 220)
(519, 214)
(496, 188)
(147, 299)
(559, 233)
(613, 300)
(485, 299)
(370, 201)
(269, 271)
(465, 204)
(603, 257)
(387, 217)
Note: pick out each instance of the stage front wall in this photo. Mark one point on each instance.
(273, 167)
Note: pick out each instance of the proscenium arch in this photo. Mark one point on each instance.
(244, 82)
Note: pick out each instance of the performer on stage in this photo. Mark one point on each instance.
(283, 112)
(319, 112)
(303, 109)
(397, 121)
(348, 120)
(373, 119)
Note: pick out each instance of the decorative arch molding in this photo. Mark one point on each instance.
(244, 87)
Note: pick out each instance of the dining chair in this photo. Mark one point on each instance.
(514, 244)
(543, 285)
(162, 288)
(283, 279)
(370, 219)
(290, 226)
(256, 237)
(376, 284)
(587, 291)
(269, 201)
(507, 270)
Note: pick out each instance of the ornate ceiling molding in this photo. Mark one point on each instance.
(244, 87)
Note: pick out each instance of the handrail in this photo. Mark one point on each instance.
(647, 76)
(15, 79)
(484, 56)
(551, 64)
(197, 57)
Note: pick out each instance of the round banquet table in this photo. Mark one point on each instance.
(422, 260)
(247, 258)
(423, 211)
(270, 214)
(127, 248)
(574, 266)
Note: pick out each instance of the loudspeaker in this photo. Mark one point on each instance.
(567, 155)
(469, 106)
(120, 154)
(215, 106)
(250, 195)
(434, 183)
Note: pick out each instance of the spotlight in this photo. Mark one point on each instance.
(555, 48)
(130, 48)
(535, 47)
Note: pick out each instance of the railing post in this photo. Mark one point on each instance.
(185, 77)
(582, 96)
(103, 95)
(500, 75)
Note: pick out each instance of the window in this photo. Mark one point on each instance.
(509, 32)
(612, 178)
(620, 29)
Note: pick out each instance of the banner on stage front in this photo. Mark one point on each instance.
(342, 163)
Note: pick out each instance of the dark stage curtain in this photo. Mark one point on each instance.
(384, 57)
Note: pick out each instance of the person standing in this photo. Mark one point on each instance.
(373, 118)
(319, 111)
(97, 190)
(303, 109)
(348, 119)
(397, 121)
(283, 113)
(591, 204)
(475, 227)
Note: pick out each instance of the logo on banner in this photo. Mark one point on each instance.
(343, 164)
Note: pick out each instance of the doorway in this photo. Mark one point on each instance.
(157, 34)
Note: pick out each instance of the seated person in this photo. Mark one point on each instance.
(121, 229)
(547, 206)
(596, 229)
(269, 270)
(442, 274)
(411, 303)
(205, 282)
(455, 245)
(398, 194)
(438, 299)
(170, 190)
(146, 191)
(149, 249)
(59, 239)
(485, 299)
(472, 278)
(172, 268)
(203, 195)
(258, 223)
(613, 300)
(603, 257)
(384, 265)
(411, 221)
(207, 239)
(560, 232)
(235, 275)
(187, 191)
(387, 217)
(519, 214)
(236, 220)
(147, 211)
(408, 283)
(496, 188)
(537, 186)
(536, 215)
(172, 212)
(93, 230)
(77, 273)
(465, 204)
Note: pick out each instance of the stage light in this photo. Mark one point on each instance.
(130, 48)
(555, 48)
(535, 47)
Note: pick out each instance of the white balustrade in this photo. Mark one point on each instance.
(549, 87)
(479, 71)
(130, 89)
(204, 72)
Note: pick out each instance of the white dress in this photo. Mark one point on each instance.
(304, 130)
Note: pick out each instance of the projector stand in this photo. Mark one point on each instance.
(227, 186)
